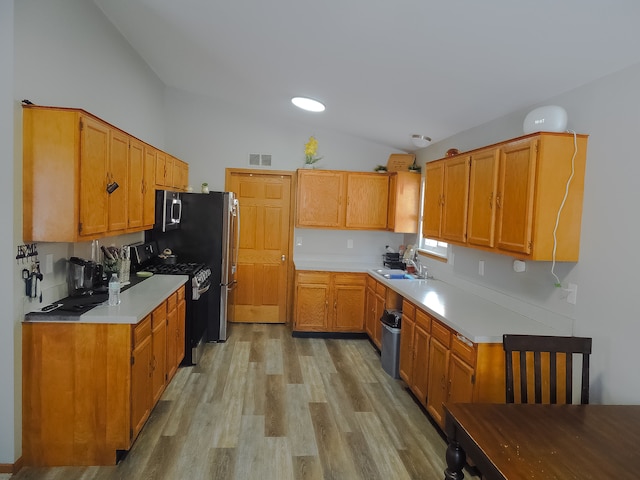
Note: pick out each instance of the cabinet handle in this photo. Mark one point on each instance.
(449, 391)
(498, 200)
(491, 201)
(283, 258)
(142, 187)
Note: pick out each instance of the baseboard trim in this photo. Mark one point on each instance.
(11, 468)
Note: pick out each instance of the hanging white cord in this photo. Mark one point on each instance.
(566, 194)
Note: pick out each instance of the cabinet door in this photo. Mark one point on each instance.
(515, 196)
(172, 344)
(367, 200)
(437, 375)
(161, 169)
(370, 313)
(320, 202)
(377, 326)
(160, 351)
(312, 301)
(180, 333)
(461, 379)
(483, 187)
(420, 363)
(404, 202)
(406, 349)
(118, 172)
(349, 291)
(135, 184)
(455, 199)
(432, 209)
(149, 197)
(141, 376)
(94, 167)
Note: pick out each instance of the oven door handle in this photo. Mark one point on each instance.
(197, 292)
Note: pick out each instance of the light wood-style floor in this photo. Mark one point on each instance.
(265, 405)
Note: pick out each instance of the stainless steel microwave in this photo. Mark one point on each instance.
(168, 210)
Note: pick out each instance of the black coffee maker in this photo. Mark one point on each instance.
(83, 277)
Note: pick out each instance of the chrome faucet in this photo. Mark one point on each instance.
(421, 270)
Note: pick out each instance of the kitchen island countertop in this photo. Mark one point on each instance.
(135, 303)
(477, 319)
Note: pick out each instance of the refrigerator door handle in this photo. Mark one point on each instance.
(237, 232)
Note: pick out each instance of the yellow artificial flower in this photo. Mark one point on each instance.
(310, 150)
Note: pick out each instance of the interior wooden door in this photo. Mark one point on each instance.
(264, 258)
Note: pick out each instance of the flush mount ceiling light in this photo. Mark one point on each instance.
(308, 104)
(420, 141)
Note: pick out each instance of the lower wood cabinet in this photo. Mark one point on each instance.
(439, 365)
(378, 298)
(329, 301)
(89, 388)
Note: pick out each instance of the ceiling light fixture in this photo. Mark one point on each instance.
(308, 104)
(420, 141)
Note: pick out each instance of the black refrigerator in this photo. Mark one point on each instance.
(204, 230)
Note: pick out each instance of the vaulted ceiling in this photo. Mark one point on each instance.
(384, 68)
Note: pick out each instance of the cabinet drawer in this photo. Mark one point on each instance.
(313, 277)
(465, 351)
(172, 301)
(442, 333)
(408, 309)
(181, 293)
(381, 289)
(349, 279)
(371, 282)
(142, 330)
(423, 320)
(159, 315)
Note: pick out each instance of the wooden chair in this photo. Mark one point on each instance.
(555, 347)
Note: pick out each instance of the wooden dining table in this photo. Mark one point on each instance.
(528, 441)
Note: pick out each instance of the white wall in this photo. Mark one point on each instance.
(609, 111)
(9, 371)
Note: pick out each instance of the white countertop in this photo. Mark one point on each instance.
(135, 303)
(479, 320)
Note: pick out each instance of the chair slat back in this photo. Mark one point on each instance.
(554, 347)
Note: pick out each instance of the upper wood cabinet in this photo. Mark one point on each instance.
(367, 201)
(83, 178)
(404, 202)
(358, 200)
(319, 198)
(446, 199)
(517, 194)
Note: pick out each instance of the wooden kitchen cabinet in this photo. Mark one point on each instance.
(516, 189)
(378, 297)
(414, 350)
(88, 388)
(320, 198)
(149, 187)
(404, 202)
(446, 199)
(70, 158)
(367, 201)
(160, 360)
(342, 200)
(180, 177)
(173, 359)
(135, 184)
(330, 301)
(141, 375)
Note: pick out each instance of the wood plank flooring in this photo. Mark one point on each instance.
(265, 406)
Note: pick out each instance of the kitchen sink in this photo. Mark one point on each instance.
(395, 274)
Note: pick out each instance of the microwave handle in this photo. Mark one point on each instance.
(176, 219)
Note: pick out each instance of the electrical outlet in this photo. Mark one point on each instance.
(481, 268)
(298, 241)
(572, 293)
(349, 243)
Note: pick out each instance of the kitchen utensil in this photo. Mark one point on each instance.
(80, 276)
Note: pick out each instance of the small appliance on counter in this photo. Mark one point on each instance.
(83, 276)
